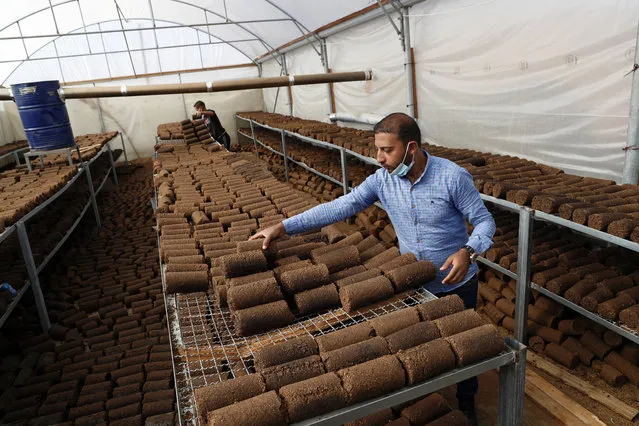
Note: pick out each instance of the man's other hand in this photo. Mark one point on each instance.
(460, 262)
(269, 234)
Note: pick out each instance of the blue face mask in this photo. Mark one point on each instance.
(402, 170)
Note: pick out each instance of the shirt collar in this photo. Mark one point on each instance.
(425, 168)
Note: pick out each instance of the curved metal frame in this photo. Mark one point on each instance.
(21, 62)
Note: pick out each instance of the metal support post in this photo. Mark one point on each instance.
(512, 381)
(33, 276)
(631, 165)
(126, 159)
(115, 174)
(100, 116)
(253, 136)
(408, 65)
(16, 157)
(237, 130)
(69, 157)
(523, 272)
(342, 155)
(96, 212)
(284, 154)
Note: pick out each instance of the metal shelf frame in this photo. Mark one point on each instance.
(15, 154)
(527, 216)
(20, 227)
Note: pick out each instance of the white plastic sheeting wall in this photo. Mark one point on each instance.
(542, 80)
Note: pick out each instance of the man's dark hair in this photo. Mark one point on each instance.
(402, 125)
(199, 104)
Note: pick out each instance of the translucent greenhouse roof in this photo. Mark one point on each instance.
(78, 40)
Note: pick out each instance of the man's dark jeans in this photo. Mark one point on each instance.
(468, 293)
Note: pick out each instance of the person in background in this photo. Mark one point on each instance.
(428, 200)
(212, 122)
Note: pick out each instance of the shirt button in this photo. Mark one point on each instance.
(412, 205)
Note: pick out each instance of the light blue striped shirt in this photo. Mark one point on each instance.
(429, 216)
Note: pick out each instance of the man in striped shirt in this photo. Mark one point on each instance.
(428, 199)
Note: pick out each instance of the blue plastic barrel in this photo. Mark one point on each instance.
(44, 115)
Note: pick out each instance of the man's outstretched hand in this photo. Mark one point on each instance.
(460, 262)
(269, 234)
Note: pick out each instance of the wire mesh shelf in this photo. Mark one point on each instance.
(207, 350)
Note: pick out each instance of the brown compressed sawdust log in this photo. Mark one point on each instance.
(356, 353)
(187, 282)
(262, 318)
(280, 375)
(347, 273)
(540, 316)
(489, 294)
(221, 394)
(366, 292)
(289, 350)
(332, 233)
(580, 290)
(440, 307)
(595, 344)
(537, 344)
(622, 228)
(253, 294)
(344, 337)
(628, 369)
(363, 276)
(562, 355)
(372, 378)
(458, 322)
(427, 360)
(412, 336)
(238, 264)
(381, 418)
(506, 306)
(298, 280)
(595, 297)
(404, 259)
(291, 267)
(476, 344)
(541, 278)
(610, 309)
(572, 327)
(338, 259)
(317, 299)
(412, 275)
(313, 397)
(380, 259)
(560, 284)
(495, 315)
(600, 221)
(390, 323)
(617, 284)
(426, 410)
(261, 410)
(609, 374)
(250, 278)
(630, 317)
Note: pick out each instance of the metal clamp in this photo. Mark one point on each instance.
(209, 86)
(123, 89)
(291, 80)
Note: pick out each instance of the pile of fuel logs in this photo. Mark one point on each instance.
(604, 281)
(107, 357)
(195, 131)
(211, 204)
(597, 203)
(308, 376)
(169, 131)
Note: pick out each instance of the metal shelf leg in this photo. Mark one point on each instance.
(126, 159)
(96, 212)
(16, 157)
(523, 272)
(254, 141)
(115, 174)
(512, 381)
(342, 155)
(284, 155)
(33, 276)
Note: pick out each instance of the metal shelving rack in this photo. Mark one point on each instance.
(15, 154)
(20, 227)
(511, 363)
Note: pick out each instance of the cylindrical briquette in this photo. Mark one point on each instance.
(332, 233)
(280, 353)
(313, 397)
(572, 327)
(506, 306)
(561, 355)
(253, 294)
(610, 309)
(366, 243)
(278, 271)
(628, 369)
(365, 293)
(371, 252)
(595, 297)
(630, 317)
(609, 374)
(384, 257)
(250, 278)
(346, 273)
(412, 275)
(381, 418)
(537, 344)
(186, 267)
(303, 251)
(372, 378)
(476, 344)
(245, 263)
(441, 307)
(338, 259)
(317, 299)
(549, 334)
(362, 276)
(298, 280)
(186, 259)
(221, 394)
(595, 344)
(458, 322)
(221, 292)
(617, 284)
(579, 290)
(427, 360)
(411, 336)
(262, 318)
(280, 375)
(356, 353)
(404, 259)
(540, 316)
(344, 337)
(489, 294)
(495, 315)
(260, 410)
(426, 410)
(187, 282)
(387, 324)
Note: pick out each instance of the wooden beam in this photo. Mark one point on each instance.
(413, 76)
(557, 403)
(156, 74)
(593, 392)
